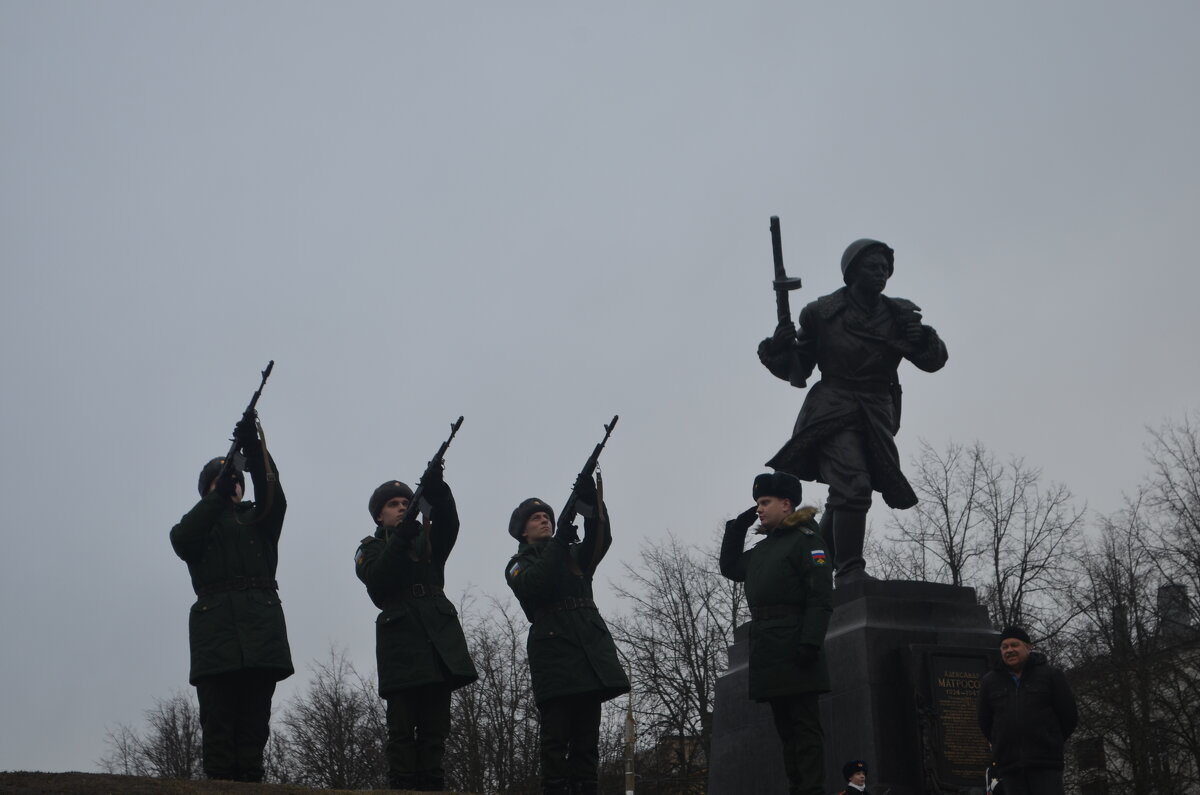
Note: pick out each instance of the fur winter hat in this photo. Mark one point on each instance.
(778, 484)
(521, 514)
(379, 497)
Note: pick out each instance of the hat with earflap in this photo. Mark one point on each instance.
(210, 471)
(778, 484)
(521, 514)
(387, 491)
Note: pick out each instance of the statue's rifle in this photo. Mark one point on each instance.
(783, 283)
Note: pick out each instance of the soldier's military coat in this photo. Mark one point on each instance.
(418, 637)
(231, 552)
(788, 578)
(570, 649)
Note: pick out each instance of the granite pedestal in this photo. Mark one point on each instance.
(905, 659)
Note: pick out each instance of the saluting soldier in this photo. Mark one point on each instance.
(420, 649)
(789, 588)
(572, 659)
(239, 645)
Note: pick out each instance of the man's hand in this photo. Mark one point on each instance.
(245, 433)
(742, 522)
(807, 655)
(435, 484)
(410, 528)
(586, 497)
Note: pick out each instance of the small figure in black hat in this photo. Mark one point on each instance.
(789, 587)
(855, 774)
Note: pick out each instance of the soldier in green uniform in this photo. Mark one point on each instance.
(238, 638)
(572, 659)
(789, 588)
(420, 649)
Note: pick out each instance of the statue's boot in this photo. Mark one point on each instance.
(849, 532)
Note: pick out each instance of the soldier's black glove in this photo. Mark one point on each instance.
(435, 485)
(741, 523)
(245, 433)
(585, 496)
(410, 528)
(806, 655)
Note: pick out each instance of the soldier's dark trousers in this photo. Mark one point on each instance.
(418, 720)
(1032, 782)
(570, 743)
(798, 722)
(235, 716)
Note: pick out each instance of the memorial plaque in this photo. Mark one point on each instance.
(956, 752)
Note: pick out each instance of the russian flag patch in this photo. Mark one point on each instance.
(818, 557)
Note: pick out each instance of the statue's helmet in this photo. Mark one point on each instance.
(863, 246)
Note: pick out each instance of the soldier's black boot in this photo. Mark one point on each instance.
(556, 786)
(850, 530)
(585, 787)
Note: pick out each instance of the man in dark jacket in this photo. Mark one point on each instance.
(789, 589)
(420, 650)
(572, 658)
(1027, 712)
(236, 631)
(844, 434)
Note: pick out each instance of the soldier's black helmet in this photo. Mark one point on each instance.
(521, 514)
(862, 246)
(386, 491)
(778, 484)
(209, 473)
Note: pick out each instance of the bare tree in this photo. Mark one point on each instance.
(942, 533)
(993, 526)
(674, 638)
(1137, 648)
(493, 742)
(170, 747)
(333, 734)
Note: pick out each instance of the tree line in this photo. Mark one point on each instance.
(1112, 599)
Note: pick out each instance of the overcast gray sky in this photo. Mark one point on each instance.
(537, 215)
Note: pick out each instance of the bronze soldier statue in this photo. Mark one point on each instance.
(844, 434)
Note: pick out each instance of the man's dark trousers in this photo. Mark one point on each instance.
(235, 716)
(570, 740)
(798, 722)
(418, 720)
(1032, 781)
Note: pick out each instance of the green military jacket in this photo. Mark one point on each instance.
(789, 582)
(418, 637)
(570, 649)
(231, 552)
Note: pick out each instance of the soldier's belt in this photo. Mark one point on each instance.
(570, 603)
(415, 591)
(237, 584)
(767, 612)
(880, 387)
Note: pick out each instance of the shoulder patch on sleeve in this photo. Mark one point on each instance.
(819, 558)
(514, 569)
(361, 553)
